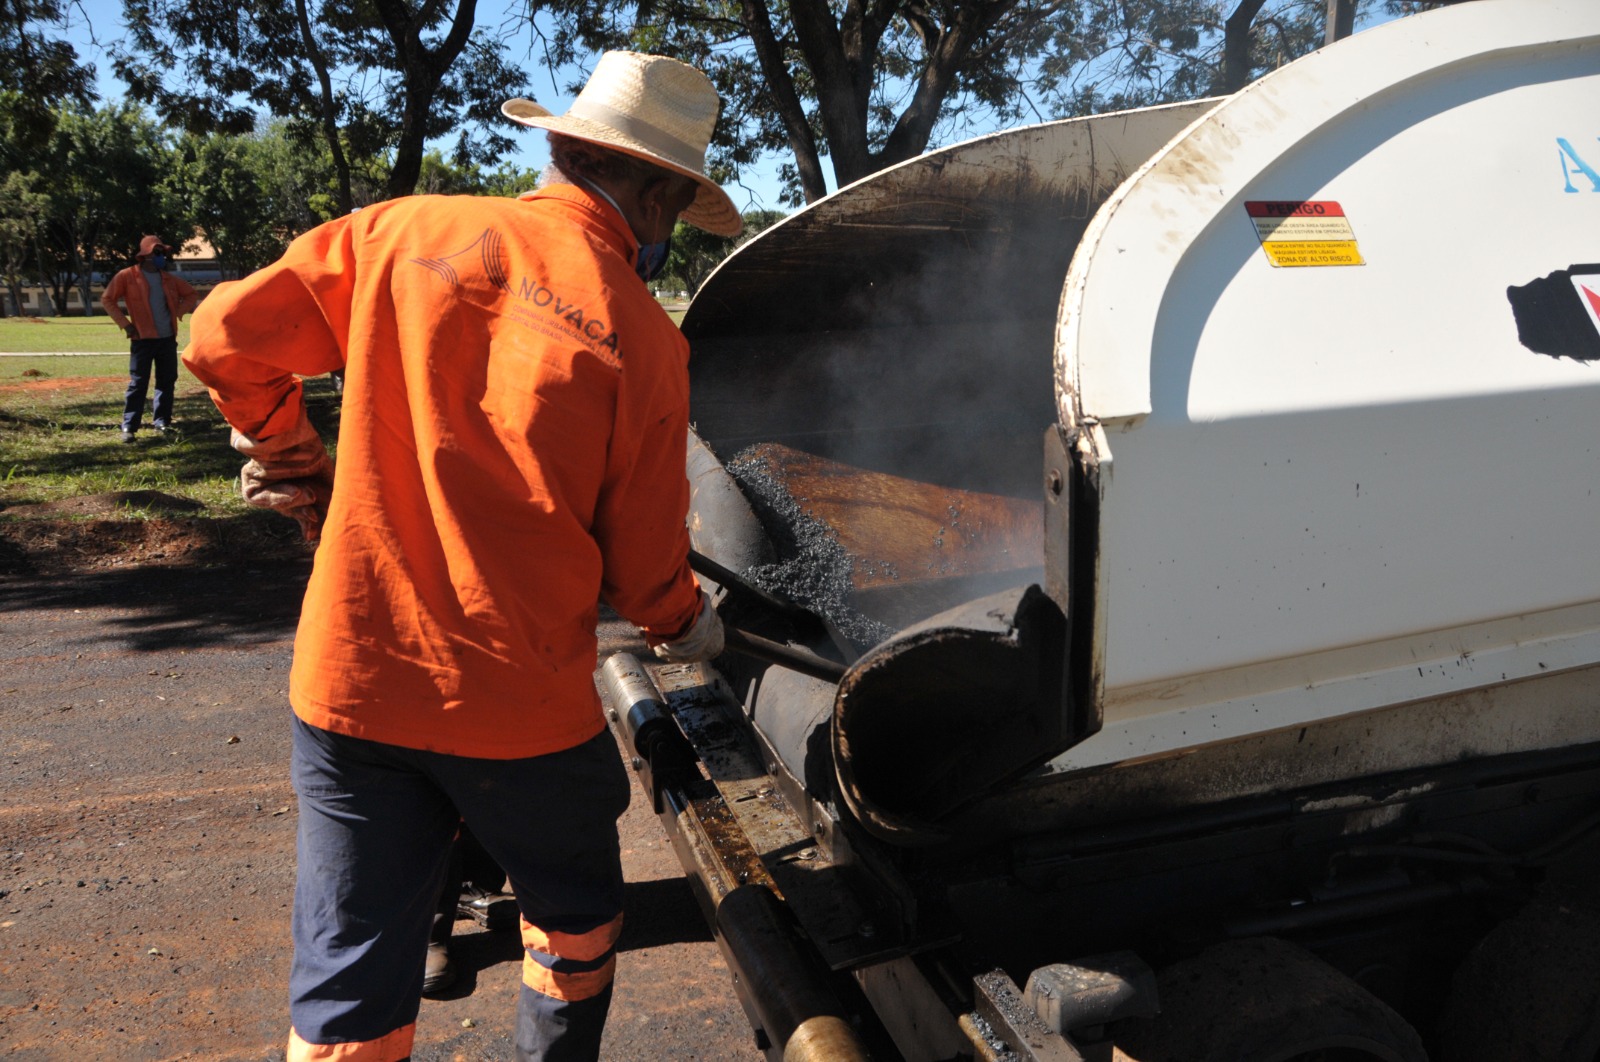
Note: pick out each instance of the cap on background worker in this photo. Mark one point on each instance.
(511, 451)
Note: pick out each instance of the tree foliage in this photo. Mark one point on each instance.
(696, 253)
(72, 209)
(440, 176)
(38, 69)
(106, 174)
(23, 208)
(378, 79)
(870, 83)
(233, 189)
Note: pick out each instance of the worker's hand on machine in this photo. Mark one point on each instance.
(702, 641)
(289, 473)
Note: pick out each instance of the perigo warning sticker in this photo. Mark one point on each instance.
(1304, 232)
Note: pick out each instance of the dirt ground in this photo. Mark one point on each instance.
(147, 824)
(70, 385)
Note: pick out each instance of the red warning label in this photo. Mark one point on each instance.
(1303, 208)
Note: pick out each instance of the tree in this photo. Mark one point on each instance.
(696, 253)
(866, 82)
(377, 78)
(227, 184)
(297, 168)
(507, 179)
(105, 173)
(38, 70)
(22, 206)
(440, 176)
(872, 83)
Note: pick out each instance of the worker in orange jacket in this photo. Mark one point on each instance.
(511, 450)
(156, 301)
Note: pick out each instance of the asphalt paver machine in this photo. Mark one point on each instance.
(1163, 551)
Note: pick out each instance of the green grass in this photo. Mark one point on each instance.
(54, 335)
(60, 438)
(60, 419)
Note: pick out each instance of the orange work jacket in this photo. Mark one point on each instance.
(131, 286)
(511, 450)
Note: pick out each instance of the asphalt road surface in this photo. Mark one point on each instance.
(147, 842)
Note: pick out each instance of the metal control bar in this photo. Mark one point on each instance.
(782, 982)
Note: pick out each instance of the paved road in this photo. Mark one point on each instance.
(147, 842)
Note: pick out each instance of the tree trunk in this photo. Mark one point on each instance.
(409, 149)
(947, 53)
(1341, 20)
(841, 102)
(46, 284)
(1236, 45)
(424, 69)
(329, 116)
(758, 23)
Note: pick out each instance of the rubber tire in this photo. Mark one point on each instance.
(1530, 990)
(1266, 1000)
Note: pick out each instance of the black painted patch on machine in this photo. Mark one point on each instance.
(1552, 318)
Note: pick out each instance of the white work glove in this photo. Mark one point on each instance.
(702, 641)
(289, 473)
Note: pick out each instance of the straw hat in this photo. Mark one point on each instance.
(650, 106)
(150, 245)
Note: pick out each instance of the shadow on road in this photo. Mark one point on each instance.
(656, 913)
(660, 912)
(177, 606)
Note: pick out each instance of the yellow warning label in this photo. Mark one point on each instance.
(1304, 232)
(1312, 252)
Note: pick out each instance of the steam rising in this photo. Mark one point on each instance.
(916, 344)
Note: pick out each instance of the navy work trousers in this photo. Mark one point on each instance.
(376, 825)
(143, 356)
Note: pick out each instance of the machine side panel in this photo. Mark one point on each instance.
(1356, 465)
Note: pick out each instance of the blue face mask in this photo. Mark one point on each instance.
(652, 259)
(159, 261)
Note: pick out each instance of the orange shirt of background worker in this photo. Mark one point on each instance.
(132, 287)
(514, 426)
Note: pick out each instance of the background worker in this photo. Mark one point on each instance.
(511, 450)
(156, 301)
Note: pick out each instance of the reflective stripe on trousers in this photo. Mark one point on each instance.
(376, 824)
(570, 966)
(391, 1048)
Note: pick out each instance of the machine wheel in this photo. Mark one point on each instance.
(1266, 1000)
(1530, 990)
